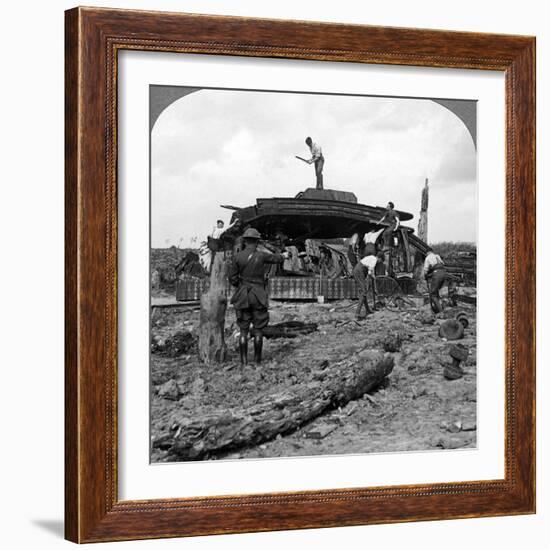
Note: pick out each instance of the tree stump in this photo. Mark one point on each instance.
(212, 347)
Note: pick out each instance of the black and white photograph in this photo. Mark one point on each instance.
(288, 273)
(312, 274)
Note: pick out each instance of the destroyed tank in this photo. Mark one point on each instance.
(312, 214)
(316, 227)
(325, 231)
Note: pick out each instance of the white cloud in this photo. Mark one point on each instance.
(217, 147)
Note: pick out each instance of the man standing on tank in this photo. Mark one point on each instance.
(318, 159)
(248, 273)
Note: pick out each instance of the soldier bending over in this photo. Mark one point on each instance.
(364, 273)
(436, 276)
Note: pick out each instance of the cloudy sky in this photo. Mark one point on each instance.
(217, 147)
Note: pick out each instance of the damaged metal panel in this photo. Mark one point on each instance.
(312, 214)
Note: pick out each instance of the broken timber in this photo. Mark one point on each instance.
(279, 413)
(212, 347)
(466, 299)
(289, 329)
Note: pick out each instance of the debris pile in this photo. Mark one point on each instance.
(174, 346)
(289, 329)
(453, 371)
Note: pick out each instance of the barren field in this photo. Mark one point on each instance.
(415, 408)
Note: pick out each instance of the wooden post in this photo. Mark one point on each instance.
(212, 347)
(423, 220)
(422, 230)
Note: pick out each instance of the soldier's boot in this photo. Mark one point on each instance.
(435, 302)
(388, 262)
(358, 310)
(258, 344)
(367, 308)
(243, 348)
(365, 302)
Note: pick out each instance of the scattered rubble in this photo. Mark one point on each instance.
(403, 413)
(289, 329)
(453, 427)
(169, 390)
(275, 413)
(320, 431)
(452, 441)
(426, 317)
(392, 342)
(451, 329)
(463, 319)
(174, 346)
(454, 371)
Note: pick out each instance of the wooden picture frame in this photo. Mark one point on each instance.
(93, 510)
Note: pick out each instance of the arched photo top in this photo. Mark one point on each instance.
(214, 146)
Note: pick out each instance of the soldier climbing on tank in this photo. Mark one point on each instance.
(391, 217)
(248, 273)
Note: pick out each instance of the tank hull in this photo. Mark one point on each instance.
(317, 218)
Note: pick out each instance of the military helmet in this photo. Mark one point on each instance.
(252, 233)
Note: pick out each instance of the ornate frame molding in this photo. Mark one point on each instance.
(93, 39)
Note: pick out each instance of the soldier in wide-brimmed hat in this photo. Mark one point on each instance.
(248, 273)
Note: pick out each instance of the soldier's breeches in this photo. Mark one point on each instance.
(257, 317)
(387, 237)
(437, 280)
(363, 285)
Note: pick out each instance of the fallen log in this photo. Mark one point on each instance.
(189, 303)
(289, 329)
(278, 413)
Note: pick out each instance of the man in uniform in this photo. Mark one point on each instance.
(391, 217)
(364, 275)
(248, 273)
(436, 276)
(318, 159)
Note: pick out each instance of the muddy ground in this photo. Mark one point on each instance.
(415, 408)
